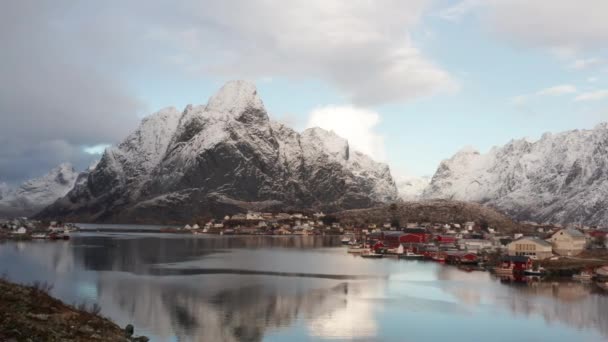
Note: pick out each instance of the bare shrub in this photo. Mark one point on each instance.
(95, 309)
(42, 287)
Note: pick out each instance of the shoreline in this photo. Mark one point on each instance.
(29, 313)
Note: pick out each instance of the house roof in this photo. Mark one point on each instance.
(572, 232)
(414, 230)
(535, 240)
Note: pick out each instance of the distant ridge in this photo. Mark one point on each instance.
(561, 178)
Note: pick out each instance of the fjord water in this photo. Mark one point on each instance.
(212, 288)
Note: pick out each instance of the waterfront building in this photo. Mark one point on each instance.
(568, 242)
(531, 247)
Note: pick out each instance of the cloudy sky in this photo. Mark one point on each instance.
(408, 82)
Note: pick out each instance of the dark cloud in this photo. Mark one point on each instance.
(66, 65)
(54, 97)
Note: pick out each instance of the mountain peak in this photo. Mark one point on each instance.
(329, 140)
(235, 97)
(601, 126)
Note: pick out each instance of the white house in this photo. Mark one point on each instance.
(568, 242)
(531, 247)
(20, 231)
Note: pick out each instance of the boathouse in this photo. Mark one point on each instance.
(461, 257)
(445, 239)
(531, 247)
(517, 263)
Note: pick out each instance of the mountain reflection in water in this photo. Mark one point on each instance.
(297, 288)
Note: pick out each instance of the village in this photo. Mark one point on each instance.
(537, 250)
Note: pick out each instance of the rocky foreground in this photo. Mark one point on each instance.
(28, 313)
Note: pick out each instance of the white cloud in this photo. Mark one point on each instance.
(357, 125)
(592, 79)
(362, 48)
(557, 90)
(555, 24)
(461, 9)
(593, 95)
(96, 149)
(585, 63)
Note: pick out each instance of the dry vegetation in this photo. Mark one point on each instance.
(28, 313)
(432, 211)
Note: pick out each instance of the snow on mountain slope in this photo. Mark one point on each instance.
(411, 188)
(222, 157)
(37, 193)
(561, 178)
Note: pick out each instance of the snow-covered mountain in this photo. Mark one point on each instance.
(561, 178)
(224, 157)
(35, 194)
(411, 188)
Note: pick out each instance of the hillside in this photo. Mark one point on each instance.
(433, 211)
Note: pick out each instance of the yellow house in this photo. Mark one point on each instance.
(531, 247)
(568, 242)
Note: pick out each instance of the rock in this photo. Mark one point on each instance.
(85, 329)
(40, 317)
(223, 158)
(129, 330)
(140, 339)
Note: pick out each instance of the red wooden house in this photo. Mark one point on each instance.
(461, 258)
(445, 239)
(516, 263)
(415, 235)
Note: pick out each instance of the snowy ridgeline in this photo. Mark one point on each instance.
(209, 157)
(37, 193)
(561, 178)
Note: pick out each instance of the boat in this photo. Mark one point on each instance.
(534, 272)
(372, 255)
(411, 256)
(39, 236)
(356, 249)
(583, 276)
(602, 271)
(438, 258)
(602, 285)
(57, 236)
(346, 240)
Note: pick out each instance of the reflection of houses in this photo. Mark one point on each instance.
(568, 242)
(461, 258)
(530, 246)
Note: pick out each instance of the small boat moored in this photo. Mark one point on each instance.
(372, 255)
(411, 256)
(583, 276)
(356, 249)
(535, 271)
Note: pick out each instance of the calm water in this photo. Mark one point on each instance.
(211, 288)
